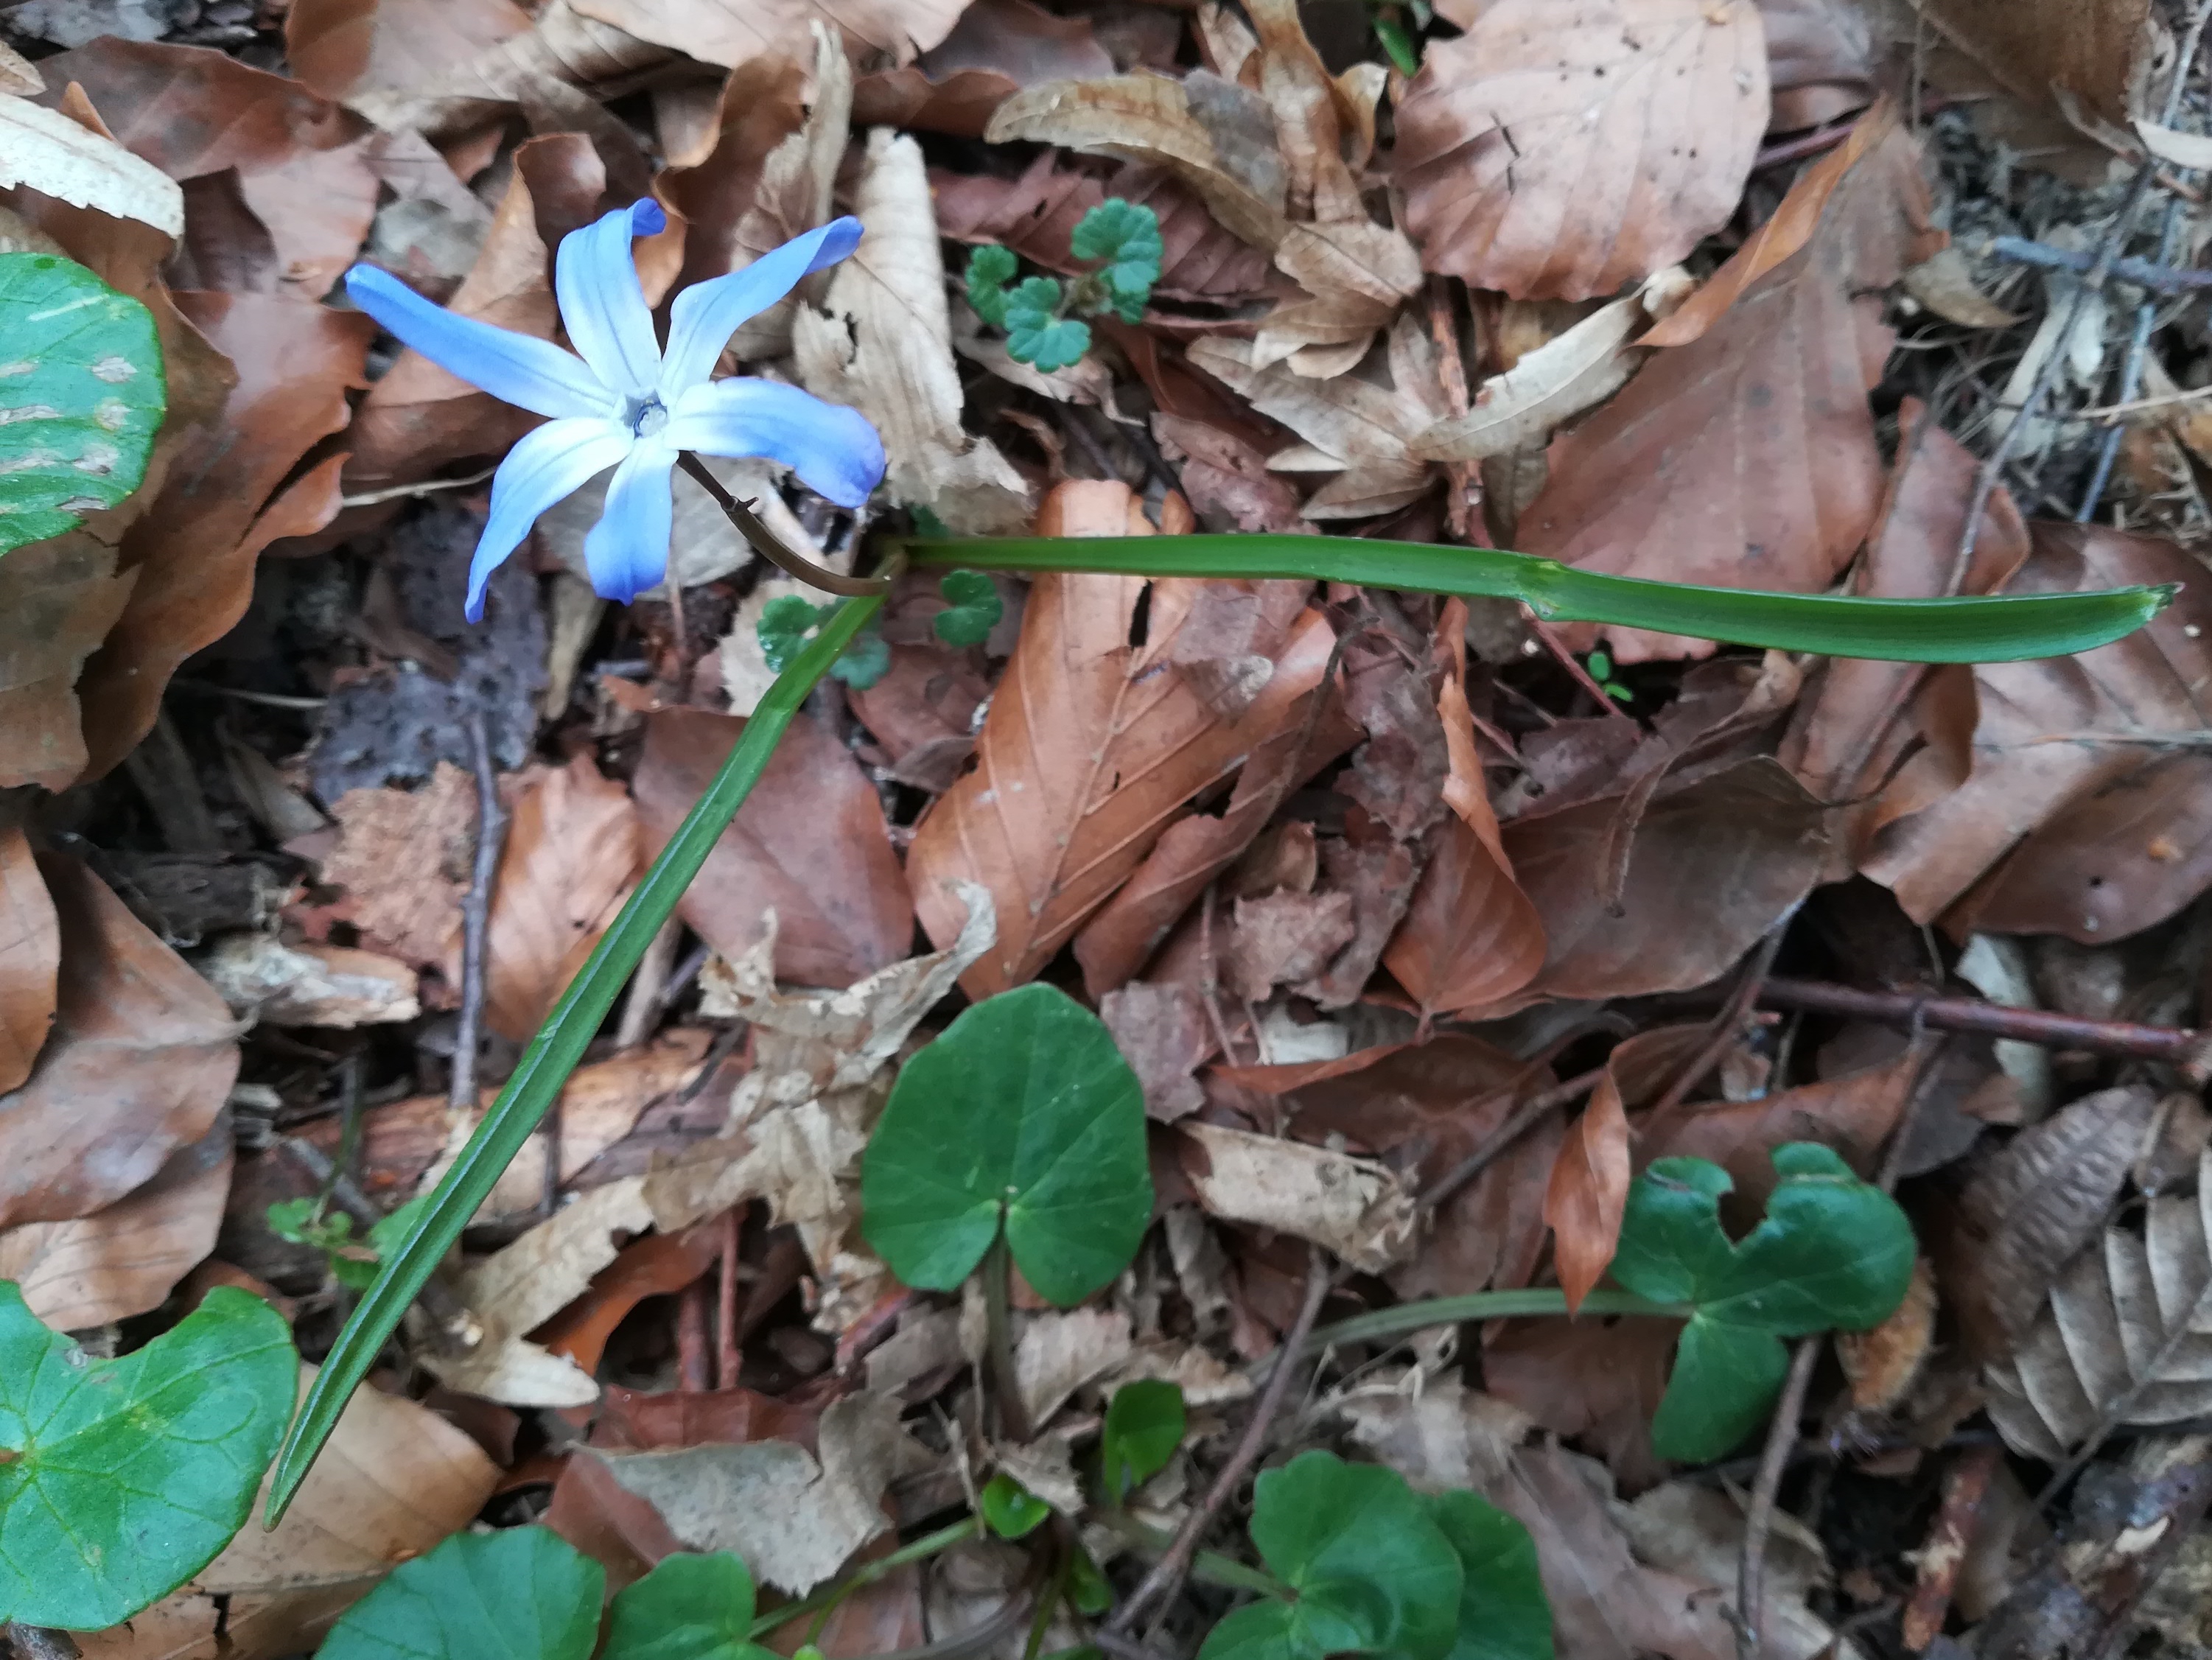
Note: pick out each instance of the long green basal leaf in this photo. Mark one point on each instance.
(1978, 630)
(552, 1055)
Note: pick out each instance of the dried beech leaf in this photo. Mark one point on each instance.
(1353, 1208)
(1588, 1192)
(30, 959)
(734, 32)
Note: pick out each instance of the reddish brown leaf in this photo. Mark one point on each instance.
(1588, 1192)
(342, 47)
(734, 35)
(1853, 1113)
(30, 958)
(140, 1059)
(810, 843)
(401, 860)
(1563, 149)
(2038, 49)
(996, 48)
(659, 1264)
(1596, 1381)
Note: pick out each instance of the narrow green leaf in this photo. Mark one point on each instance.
(1999, 630)
(520, 1594)
(81, 395)
(1833, 1252)
(552, 1055)
(973, 608)
(1022, 1109)
(990, 268)
(689, 1607)
(1504, 1613)
(1012, 1510)
(121, 1478)
(1403, 53)
(1145, 1424)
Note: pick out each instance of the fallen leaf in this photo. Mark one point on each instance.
(265, 979)
(1354, 1207)
(2040, 48)
(659, 1264)
(997, 47)
(810, 843)
(1162, 1033)
(1853, 1113)
(402, 859)
(1822, 56)
(62, 595)
(1698, 1532)
(1883, 1365)
(1056, 1353)
(882, 343)
(1564, 150)
(1284, 938)
(1588, 1192)
(30, 959)
(1595, 1382)
(345, 48)
(733, 34)
(57, 157)
(1225, 479)
(140, 1061)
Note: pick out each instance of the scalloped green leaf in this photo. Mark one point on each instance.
(520, 1594)
(121, 1478)
(81, 395)
(690, 1607)
(990, 268)
(1037, 334)
(1833, 1253)
(972, 608)
(1127, 236)
(1023, 1112)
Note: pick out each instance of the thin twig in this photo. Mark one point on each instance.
(727, 1359)
(2177, 1045)
(427, 487)
(1727, 1029)
(1572, 664)
(1530, 1113)
(642, 1004)
(772, 547)
(1781, 1435)
(475, 923)
(1167, 1575)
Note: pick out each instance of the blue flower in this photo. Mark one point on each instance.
(628, 403)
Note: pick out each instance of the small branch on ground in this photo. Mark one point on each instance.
(1781, 1437)
(648, 994)
(2179, 1046)
(476, 924)
(1728, 1026)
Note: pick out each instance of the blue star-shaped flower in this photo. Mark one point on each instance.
(628, 403)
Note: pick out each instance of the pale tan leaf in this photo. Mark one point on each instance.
(1354, 1207)
(309, 984)
(734, 32)
(1059, 1351)
(402, 858)
(56, 156)
(1943, 284)
(30, 958)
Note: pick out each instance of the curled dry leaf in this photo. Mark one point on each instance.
(30, 958)
(1882, 1365)
(1854, 1114)
(48, 152)
(1561, 151)
(1589, 1193)
(1353, 1208)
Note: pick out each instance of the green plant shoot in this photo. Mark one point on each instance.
(1122, 237)
(789, 622)
(1145, 1424)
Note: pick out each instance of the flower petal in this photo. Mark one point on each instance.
(602, 305)
(706, 314)
(834, 449)
(546, 464)
(537, 374)
(626, 552)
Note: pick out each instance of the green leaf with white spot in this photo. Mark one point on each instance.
(1036, 333)
(121, 1478)
(81, 395)
(1834, 1252)
(1022, 1113)
(990, 268)
(972, 608)
(521, 1594)
(690, 1607)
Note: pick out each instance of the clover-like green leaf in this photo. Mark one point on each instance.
(1145, 1424)
(1127, 236)
(788, 623)
(121, 1478)
(1372, 1571)
(972, 608)
(81, 395)
(1022, 1109)
(990, 268)
(520, 1594)
(1503, 1612)
(864, 662)
(1036, 333)
(690, 1607)
(1010, 1509)
(1833, 1252)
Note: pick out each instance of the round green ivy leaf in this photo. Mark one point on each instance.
(1010, 1509)
(690, 1607)
(81, 395)
(1022, 1110)
(1145, 1424)
(1503, 1611)
(523, 1594)
(972, 608)
(126, 1476)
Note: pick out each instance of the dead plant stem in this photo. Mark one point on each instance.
(1781, 1437)
(476, 925)
(999, 1340)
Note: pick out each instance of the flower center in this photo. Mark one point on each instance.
(644, 415)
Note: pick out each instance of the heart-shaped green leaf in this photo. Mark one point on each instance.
(972, 608)
(1833, 1252)
(81, 395)
(1145, 1424)
(1022, 1110)
(1010, 1509)
(1372, 1571)
(690, 1607)
(522, 1594)
(120, 1480)
(1503, 1612)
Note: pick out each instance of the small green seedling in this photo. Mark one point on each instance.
(1022, 1114)
(1010, 1510)
(1833, 1253)
(1400, 43)
(1370, 1567)
(85, 394)
(972, 608)
(353, 1262)
(1600, 664)
(788, 622)
(120, 1479)
(1145, 1424)
(1122, 236)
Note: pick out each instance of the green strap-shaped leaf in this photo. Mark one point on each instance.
(520, 1594)
(81, 395)
(1991, 630)
(1022, 1110)
(689, 1607)
(120, 1480)
(1834, 1252)
(552, 1055)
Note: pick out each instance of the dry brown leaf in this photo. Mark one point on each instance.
(1697, 1531)
(1750, 452)
(1162, 1033)
(997, 47)
(1853, 1113)
(1563, 149)
(1597, 1383)
(1093, 745)
(1057, 1352)
(30, 958)
(402, 859)
(1883, 1365)
(126, 1259)
(1588, 1192)
(2038, 49)
(882, 343)
(140, 1061)
(1225, 479)
(1823, 57)
(734, 32)
(309, 983)
(810, 844)
(63, 595)
(1354, 1207)
(346, 48)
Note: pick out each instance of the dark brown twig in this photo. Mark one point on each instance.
(476, 924)
(727, 1360)
(1167, 1575)
(1781, 1437)
(1530, 1113)
(2177, 1045)
(1727, 1029)
(772, 547)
